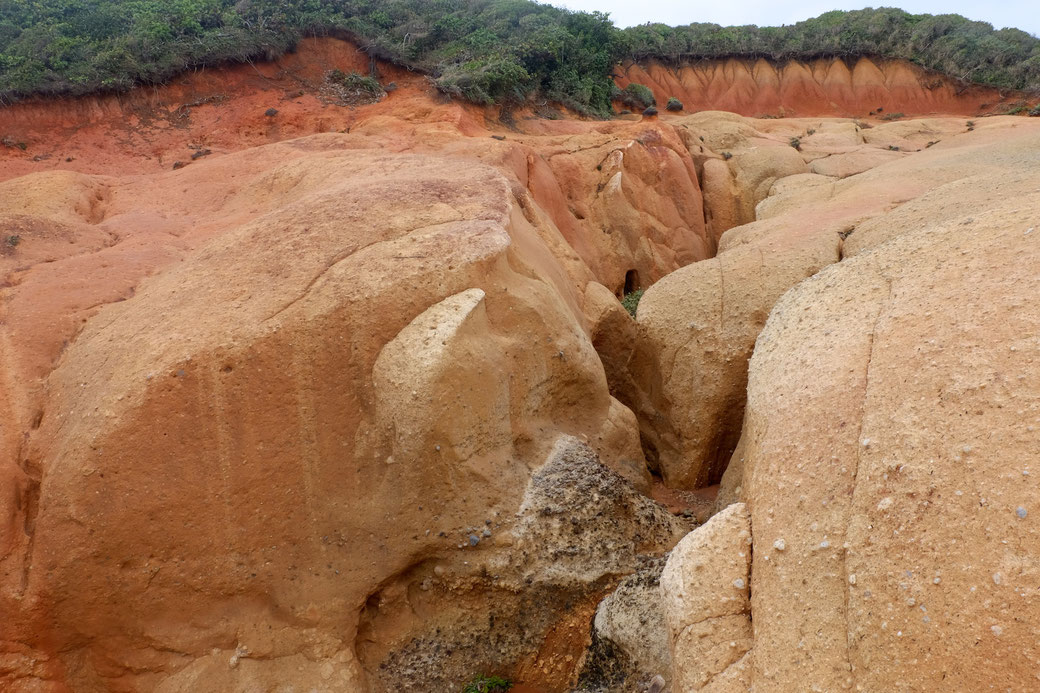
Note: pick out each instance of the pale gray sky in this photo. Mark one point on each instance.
(1021, 14)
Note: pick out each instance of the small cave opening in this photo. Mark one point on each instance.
(632, 282)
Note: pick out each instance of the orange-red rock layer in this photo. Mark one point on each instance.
(827, 86)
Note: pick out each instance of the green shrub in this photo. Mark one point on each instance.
(355, 81)
(1035, 112)
(796, 142)
(893, 116)
(674, 104)
(488, 684)
(631, 301)
(637, 95)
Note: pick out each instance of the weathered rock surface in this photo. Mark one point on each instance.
(261, 413)
(358, 410)
(827, 87)
(240, 456)
(704, 592)
(629, 646)
(528, 598)
(891, 419)
(699, 324)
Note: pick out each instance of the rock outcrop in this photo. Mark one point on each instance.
(886, 444)
(345, 399)
(705, 599)
(698, 326)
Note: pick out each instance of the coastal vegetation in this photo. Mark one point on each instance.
(484, 51)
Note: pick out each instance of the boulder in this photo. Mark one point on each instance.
(705, 599)
(629, 646)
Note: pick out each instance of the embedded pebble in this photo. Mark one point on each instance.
(779, 545)
(852, 579)
(474, 540)
(1021, 512)
(738, 583)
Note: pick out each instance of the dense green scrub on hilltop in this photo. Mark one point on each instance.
(482, 50)
(486, 51)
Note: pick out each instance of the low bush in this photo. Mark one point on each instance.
(674, 104)
(636, 95)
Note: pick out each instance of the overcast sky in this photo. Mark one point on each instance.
(1021, 14)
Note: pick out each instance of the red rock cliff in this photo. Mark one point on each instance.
(827, 86)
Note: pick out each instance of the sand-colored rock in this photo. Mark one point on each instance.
(531, 599)
(890, 415)
(347, 400)
(698, 326)
(629, 638)
(850, 163)
(704, 596)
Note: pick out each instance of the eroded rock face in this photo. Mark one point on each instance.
(704, 594)
(330, 395)
(698, 326)
(828, 86)
(886, 445)
(530, 586)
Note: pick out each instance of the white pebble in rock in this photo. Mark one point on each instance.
(474, 540)
(1021, 512)
(738, 583)
(852, 579)
(996, 578)
(779, 545)
(997, 630)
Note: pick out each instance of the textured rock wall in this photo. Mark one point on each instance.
(823, 87)
(884, 459)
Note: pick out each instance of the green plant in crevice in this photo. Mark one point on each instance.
(488, 684)
(631, 301)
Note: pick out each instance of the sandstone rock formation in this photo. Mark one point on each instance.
(699, 324)
(629, 648)
(885, 447)
(348, 401)
(704, 595)
(267, 415)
